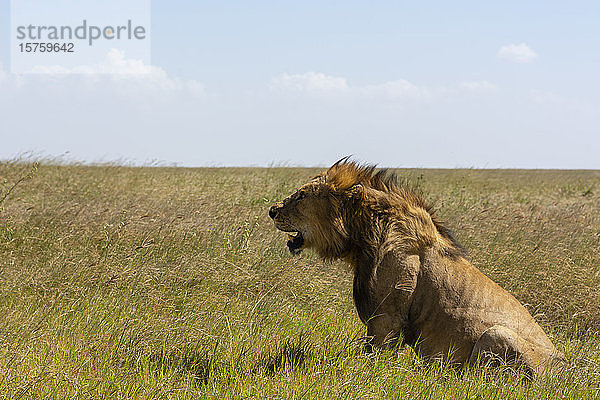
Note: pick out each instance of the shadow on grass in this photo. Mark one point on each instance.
(289, 355)
(201, 364)
(194, 363)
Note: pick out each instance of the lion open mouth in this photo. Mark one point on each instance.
(295, 243)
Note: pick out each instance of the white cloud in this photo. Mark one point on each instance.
(128, 77)
(310, 82)
(396, 90)
(478, 86)
(520, 53)
(320, 84)
(114, 63)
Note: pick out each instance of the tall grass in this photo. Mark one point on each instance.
(146, 283)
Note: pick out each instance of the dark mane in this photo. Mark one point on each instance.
(346, 174)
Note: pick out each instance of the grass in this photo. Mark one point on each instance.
(145, 283)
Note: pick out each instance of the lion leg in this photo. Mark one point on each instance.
(381, 332)
(499, 344)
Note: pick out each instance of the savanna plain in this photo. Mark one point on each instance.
(172, 283)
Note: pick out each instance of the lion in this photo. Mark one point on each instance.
(413, 283)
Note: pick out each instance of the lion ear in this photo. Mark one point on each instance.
(355, 189)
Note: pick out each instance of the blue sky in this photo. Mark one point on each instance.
(410, 84)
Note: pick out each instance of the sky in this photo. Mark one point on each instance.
(428, 84)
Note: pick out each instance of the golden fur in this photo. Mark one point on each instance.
(412, 280)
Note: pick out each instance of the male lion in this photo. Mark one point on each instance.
(411, 278)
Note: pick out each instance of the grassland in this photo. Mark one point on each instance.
(172, 283)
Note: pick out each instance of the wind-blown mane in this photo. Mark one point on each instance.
(346, 174)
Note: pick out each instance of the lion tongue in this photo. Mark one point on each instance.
(295, 243)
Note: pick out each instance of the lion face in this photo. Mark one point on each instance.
(306, 215)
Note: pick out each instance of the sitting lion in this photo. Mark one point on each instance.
(411, 278)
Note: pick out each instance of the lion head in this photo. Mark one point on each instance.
(313, 219)
(322, 213)
(348, 208)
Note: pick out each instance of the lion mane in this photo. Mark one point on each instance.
(413, 283)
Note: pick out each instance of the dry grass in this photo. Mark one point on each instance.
(172, 283)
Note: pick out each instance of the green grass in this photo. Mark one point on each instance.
(147, 283)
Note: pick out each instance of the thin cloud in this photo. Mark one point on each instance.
(478, 86)
(396, 90)
(309, 82)
(320, 84)
(519, 53)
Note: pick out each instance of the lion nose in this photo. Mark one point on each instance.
(273, 211)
